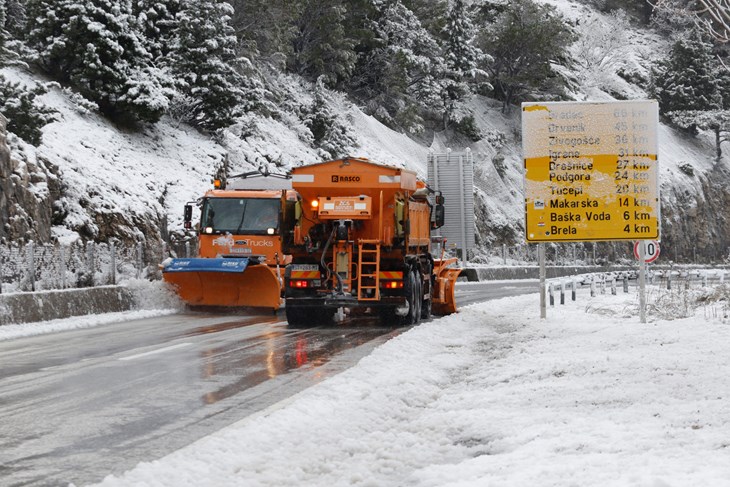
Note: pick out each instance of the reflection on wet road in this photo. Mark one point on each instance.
(79, 405)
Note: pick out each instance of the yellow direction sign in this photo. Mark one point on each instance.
(591, 171)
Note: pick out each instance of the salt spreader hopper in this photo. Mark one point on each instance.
(361, 241)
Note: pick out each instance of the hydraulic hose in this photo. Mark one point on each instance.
(340, 287)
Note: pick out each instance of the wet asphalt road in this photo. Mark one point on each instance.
(79, 405)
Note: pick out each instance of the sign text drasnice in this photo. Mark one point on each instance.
(591, 171)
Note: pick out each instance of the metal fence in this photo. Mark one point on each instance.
(38, 267)
(591, 253)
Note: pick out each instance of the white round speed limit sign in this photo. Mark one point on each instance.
(651, 250)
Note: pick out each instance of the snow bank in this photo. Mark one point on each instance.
(494, 396)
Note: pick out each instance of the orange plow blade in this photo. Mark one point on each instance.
(443, 299)
(258, 286)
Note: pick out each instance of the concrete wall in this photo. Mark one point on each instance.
(50, 305)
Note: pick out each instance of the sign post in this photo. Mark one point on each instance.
(642, 280)
(541, 258)
(591, 171)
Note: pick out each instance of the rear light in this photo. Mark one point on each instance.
(299, 284)
(393, 284)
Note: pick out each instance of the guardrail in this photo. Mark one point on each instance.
(591, 253)
(604, 281)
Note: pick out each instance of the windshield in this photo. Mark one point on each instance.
(240, 215)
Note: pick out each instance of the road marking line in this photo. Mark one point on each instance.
(159, 350)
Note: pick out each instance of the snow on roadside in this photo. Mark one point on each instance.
(151, 299)
(494, 396)
(9, 332)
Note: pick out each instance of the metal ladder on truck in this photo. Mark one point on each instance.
(368, 270)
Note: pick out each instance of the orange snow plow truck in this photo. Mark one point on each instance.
(240, 261)
(361, 242)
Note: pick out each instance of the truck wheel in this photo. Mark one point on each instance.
(324, 316)
(411, 291)
(418, 298)
(414, 295)
(426, 307)
(299, 318)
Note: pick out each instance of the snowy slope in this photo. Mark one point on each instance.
(145, 178)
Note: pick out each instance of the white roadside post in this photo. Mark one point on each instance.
(642, 280)
(541, 258)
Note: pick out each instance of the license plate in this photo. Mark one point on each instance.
(304, 267)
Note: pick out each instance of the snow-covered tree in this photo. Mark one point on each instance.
(265, 28)
(203, 62)
(15, 17)
(689, 79)
(26, 115)
(601, 48)
(717, 121)
(461, 54)
(398, 69)
(330, 135)
(156, 21)
(711, 16)
(525, 40)
(94, 45)
(320, 45)
(464, 60)
(3, 32)
(693, 87)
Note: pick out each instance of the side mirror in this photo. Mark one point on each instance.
(439, 216)
(188, 217)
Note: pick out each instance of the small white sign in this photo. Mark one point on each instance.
(651, 250)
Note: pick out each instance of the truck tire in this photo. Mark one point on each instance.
(426, 307)
(411, 289)
(414, 295)
(298, 317)
(418, 298)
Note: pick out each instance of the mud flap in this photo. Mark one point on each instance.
(224, 282)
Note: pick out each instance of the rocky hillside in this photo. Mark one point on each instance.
(91, 179)
(27, 194)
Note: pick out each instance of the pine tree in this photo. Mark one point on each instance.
(26, 116)
(463, 59)
(3, 32)
(203, 61)
(693, 87)
(398, 69)
(156, 20)
(332, 137)
(94, 45)
(320, 45)
(265, 28)
(15, 18)
(690, 78)
(717, 121)
(524, 39)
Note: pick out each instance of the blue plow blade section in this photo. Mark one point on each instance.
(207, 265)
